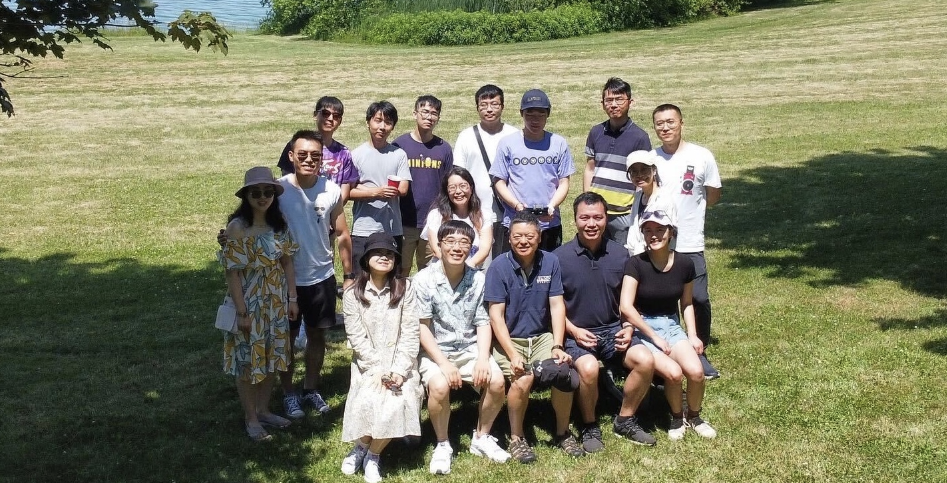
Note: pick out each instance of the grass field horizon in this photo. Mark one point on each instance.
(827, 254)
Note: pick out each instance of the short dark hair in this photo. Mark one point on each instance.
(526, 217)
(329, 102)
(455, 227)
(616, 85)
(387, 110)
(488, 91)
(307, 134)
(667, 107)
(588, 198)
(429, 100)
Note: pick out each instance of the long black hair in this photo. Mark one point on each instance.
(445, 208)
(396, 283)
(274, 217)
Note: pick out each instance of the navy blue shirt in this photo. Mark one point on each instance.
(592, 282)
(527, 299)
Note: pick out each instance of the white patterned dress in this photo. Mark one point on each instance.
(384, 339)
(265, 292)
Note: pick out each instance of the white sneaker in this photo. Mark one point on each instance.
(440, 459)
(677, 429)
(486, 445)
(702, 428)
(370, 466)
(353, 461)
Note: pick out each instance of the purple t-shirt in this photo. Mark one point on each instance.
(532, 170)
(336, 163)
(428, 162)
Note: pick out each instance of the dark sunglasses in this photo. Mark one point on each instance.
(257, 194)
(330, 114)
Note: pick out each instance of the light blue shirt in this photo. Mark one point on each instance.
(455, 313)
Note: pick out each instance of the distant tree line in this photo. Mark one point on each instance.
(473, 22)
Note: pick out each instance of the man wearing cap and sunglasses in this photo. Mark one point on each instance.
(532, 171)
(528, 317)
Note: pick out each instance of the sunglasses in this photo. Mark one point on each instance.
(330, 114)
(257, 194)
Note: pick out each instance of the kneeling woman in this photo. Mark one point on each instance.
(656, 284)
(384, 400)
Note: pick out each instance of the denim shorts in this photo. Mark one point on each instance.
(668, 328)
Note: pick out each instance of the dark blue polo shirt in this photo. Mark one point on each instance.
(527, 301)
(592, 282)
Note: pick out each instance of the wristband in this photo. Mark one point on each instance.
(241, 314)
(558, 346)
(626, 325)
(293, 299)
(348, 276)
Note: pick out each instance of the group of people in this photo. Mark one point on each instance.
(498, 301)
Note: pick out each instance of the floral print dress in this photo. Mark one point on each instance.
(265, 349)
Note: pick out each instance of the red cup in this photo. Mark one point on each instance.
(394, 181)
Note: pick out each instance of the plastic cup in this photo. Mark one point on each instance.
(394, 181)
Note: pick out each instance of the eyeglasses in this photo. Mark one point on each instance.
(258, 193)
(314, 156)
(454, 188)
(641, 173)
(453, 242)
(614, 100)
(485, 105)
(670, 124)
(326, 113)
(426, 114)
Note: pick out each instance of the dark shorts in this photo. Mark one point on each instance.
(604, 350)
(358, 249)
(316, 305)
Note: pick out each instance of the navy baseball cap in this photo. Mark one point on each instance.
(535, 99)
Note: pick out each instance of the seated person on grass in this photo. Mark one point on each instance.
(528, 317)
(455, 344)
(591, 278)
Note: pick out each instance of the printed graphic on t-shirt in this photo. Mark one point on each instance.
(537, 160)
(687, 187)
(425, 162)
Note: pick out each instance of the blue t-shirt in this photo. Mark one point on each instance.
(428, 162)
(526, 298)
(532, 170)
(592, 282)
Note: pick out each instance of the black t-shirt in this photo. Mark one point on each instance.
(659, 292)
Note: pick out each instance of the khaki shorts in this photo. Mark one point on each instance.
(538, 348)
(463, 361)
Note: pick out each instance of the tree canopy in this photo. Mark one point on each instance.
(38, 28)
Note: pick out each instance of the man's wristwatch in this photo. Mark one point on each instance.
(558, 346)
(348, 276)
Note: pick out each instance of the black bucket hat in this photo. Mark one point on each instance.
(379, 241)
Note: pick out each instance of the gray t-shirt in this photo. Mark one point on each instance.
(374, 166)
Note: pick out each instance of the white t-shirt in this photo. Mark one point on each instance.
(434, 224)
(660, 201)
(308, 212)
(467, 155)
(684, 176)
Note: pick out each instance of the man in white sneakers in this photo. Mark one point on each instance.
(456, 342)
(689, 174)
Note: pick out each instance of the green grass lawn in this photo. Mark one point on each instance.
(827, 254)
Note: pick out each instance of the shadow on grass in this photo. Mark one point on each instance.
(844, 219)
(112, 373)
(753, 5)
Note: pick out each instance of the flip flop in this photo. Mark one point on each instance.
(257, 434)
(274, 421)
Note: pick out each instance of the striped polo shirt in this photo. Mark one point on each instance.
(609, 149)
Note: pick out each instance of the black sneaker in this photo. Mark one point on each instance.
(521, 451)
(569, 445)
(630, 430)
(710, 372)
(591, 437)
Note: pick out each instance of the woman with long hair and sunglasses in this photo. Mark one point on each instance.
(457, 200)
(384, 400)
(262, 286)
(643, 172)
(656, 295)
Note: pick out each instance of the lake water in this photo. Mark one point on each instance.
(231, 13)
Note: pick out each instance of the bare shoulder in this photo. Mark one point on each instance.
(236, 229)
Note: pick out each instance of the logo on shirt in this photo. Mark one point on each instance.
(687, 187)
(320, 212)
(543, 278)
(537, 160)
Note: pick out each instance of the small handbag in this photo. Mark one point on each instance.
(227, 317)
